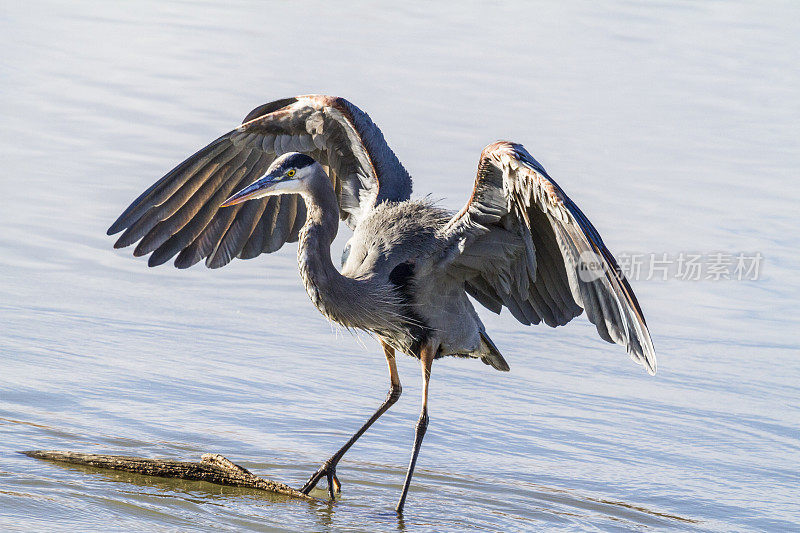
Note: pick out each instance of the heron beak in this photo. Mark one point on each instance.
(257, 189)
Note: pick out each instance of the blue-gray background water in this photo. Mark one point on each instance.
(674, 125)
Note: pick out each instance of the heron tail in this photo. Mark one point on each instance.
(491, 355)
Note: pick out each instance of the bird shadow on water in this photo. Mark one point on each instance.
(490, 503)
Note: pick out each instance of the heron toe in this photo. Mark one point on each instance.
(329, 471)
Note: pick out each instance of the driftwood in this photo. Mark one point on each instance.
(212, 468)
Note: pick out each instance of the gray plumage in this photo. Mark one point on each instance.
(298, 165)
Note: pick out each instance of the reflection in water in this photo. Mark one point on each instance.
(657, 119)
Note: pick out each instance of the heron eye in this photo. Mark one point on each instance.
(291, 173)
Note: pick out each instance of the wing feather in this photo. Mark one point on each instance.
(189, 207)
(165, 202)
(188, 233)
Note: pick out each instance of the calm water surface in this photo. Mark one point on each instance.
(673, 125)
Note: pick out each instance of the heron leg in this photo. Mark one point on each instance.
(328, 468)
(426, 359)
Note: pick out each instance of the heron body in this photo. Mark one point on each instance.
(384, 274)
(298, 165)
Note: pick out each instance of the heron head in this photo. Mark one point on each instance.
(286, 175)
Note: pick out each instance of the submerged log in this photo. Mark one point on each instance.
(212, 468)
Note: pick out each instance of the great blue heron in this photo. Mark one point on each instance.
(302, 163)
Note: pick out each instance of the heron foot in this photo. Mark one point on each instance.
(328, 469)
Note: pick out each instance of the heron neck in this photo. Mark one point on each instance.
(362, 302)
(322, 224)
(337, 297)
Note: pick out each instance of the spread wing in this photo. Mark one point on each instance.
(520, 242)
(180, 213)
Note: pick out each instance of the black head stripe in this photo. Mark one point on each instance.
(297, 161)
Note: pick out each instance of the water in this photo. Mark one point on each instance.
(673, 125)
